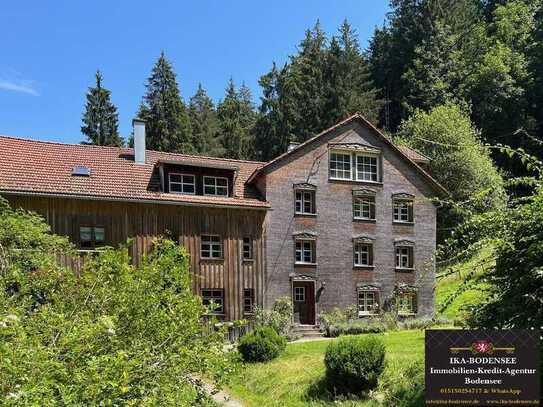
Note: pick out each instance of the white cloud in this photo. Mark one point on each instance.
(19, 85)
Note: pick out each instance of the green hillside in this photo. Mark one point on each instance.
(462, 285)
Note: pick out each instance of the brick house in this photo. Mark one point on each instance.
(344, 218)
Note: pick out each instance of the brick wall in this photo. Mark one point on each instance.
(335, 227)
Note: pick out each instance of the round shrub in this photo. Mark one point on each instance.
(354, 363)
(261, 345)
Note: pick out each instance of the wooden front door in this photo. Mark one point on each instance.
(303, 298)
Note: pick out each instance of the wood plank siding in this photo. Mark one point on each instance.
(186, 224)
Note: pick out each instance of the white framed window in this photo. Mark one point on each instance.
(404, 257)
(305, 251)
(304, 202)
(367, 302)
(354, 166)
(215, 186)
(406, 303)
(299, 294)
(91, 237)
(340, 165)
(403, 211)
(213, 297)
(182, 183)
(367, 168)
(248, 300)
(363, 254)
(211, 247)
(364, 207)
(247, 248)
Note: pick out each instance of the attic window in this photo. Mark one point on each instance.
(81, 171)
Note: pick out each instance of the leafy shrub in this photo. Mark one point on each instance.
(405, 388)
(354, 363)
(116, 335)
(261, 345)
(361, 326)
(279, 317)
(417, 323)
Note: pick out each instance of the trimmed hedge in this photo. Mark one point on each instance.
(261, 345)
(354, 363)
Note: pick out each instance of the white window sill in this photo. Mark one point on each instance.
(407, 314)
(305, 264)
(401, 222)
(366, 314)
(312, 215)
(364, 266)
(357, 181)
(181, 193)
(364, 219)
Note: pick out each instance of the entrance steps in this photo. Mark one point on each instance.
(308, 331)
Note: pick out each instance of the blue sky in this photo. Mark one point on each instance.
(51, 49)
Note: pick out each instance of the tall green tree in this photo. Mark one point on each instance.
(100, 119)
(323, 83)
(165, 113)
(204, 124)
(236, 122)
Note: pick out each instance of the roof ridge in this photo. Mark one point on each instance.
(60, 143)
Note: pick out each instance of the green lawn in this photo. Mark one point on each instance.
(293, 378)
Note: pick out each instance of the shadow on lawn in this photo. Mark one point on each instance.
(321, 390)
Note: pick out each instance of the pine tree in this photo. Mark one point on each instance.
(347, 77)
(101, 120)
(204, 124)
(167, 121)
(236, 122)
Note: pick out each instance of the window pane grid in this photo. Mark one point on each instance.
(182, 183)
(403, 211)
(305, 202)
(404, 257)
(247, 248)
(305, 251)
(248, 300)
(406, 303)
(366, 168)
(362, 254)
(366, 302)
(211, 247)
(215, 186)
(340, 166)
(364, 208)
(299, 294)
(214, 297)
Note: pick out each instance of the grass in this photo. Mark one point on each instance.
(295, 378)
(465, 296)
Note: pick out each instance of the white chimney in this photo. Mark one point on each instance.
(139, 140)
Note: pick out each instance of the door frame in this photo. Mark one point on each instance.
(313, 305)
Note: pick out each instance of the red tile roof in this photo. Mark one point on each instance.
(45, 168)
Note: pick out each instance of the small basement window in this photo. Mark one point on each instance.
(214, 298)
(91, 237)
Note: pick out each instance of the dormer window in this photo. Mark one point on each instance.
(340, 165)
(182, 183)
(366, 168)
(215, 186)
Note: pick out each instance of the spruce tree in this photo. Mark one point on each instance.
(236, 122)
(100, 119)
(204, 124)
(165, 113)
